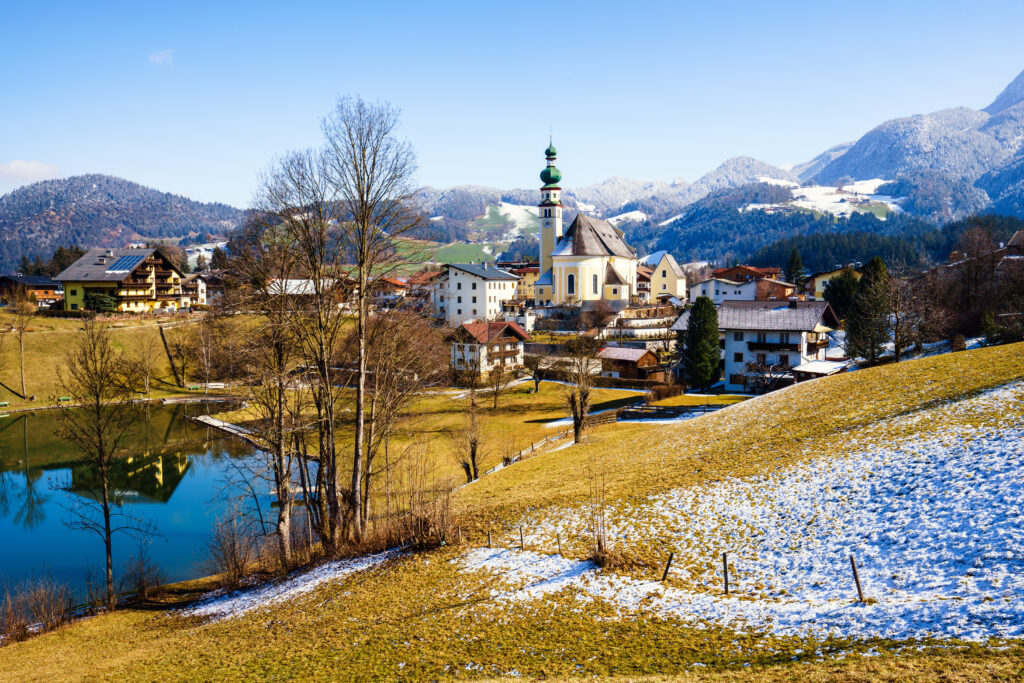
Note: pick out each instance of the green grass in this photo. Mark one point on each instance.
(422, 618)
(695, 400)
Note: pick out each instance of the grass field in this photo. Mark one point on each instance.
(429, 615)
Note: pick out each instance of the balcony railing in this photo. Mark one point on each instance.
(772, 346)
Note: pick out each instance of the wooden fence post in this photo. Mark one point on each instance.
(558, 540)
(725, 571)
(460, 534)
(489, 538)
(522, 543)
(668, 565)
(856, 578)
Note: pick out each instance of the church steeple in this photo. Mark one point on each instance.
(550, 208)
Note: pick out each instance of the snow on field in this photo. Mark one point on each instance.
(628, 217)
(220, 605)
(844, 202)
(669, 220)
(525, 218)
(930, 503)
(777, 181)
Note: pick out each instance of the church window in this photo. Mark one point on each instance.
(571, 284)
(595, 284)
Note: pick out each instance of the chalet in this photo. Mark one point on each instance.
(630, 363)
(765, 340)
(194, 286)
(643, 283)
(770, 289)
(746, 273)
(485, 346)
(44, 290)
(720, 289)
(138, 280)
(470, 291)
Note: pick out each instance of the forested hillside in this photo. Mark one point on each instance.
(99, 210)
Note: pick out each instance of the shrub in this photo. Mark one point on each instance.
(141, 575)
(231, 551)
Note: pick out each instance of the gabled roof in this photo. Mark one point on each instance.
(483, 271)
(108, 265)
(1017, 240)
(592, 237)
(423, 278)
(655, 259)
(546, 279)
(623, 353)
(484, 332)
(611, 276)
(754, 271)
(32, 280)
(783, 316)
(718, 279)
(643, 273)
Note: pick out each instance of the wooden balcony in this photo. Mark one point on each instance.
(817, 345)
(772, 346)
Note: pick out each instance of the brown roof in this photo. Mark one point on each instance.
(643, 273)
(611, 276)
(623, 353)
(484, 332)
(424, 278)
(592, 237)
(753, 271)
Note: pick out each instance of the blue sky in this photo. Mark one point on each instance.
(197, 98)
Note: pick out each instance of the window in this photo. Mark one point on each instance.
(595, 283)
(784, 337)
(458, 285)
(664, 286)
(737, 357)
(762, 338)
(737, 336)
(74, 292)
(459, 311)
(474, 311)
(664, 273)
(74, 307)
(474, 285)
(460, 300)
(615, 290)
(571, 286)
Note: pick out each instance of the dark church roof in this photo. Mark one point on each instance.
(611, 276)
(592, 237)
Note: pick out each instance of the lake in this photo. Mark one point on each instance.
(175, 475)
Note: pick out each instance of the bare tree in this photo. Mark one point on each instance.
(901, 316)
(23, 307)
(94, 374)
(499, 380)
(371, 172)
(144, 359)
(763, 376)
(466, 443)
(534, 365)
(580, 368)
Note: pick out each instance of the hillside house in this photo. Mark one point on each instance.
(720, 289)
(769, 289)
(44, 290)
(630, 363)
(138, 280)
(815, 284)
(470, 291)
(765, 340)
(528, 276)
(643, 283)
(746, 273)
(194, 286)
(485, 346)
(667, 278)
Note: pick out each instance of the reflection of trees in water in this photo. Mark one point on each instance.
(32, 512)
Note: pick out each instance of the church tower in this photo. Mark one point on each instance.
(550, 209)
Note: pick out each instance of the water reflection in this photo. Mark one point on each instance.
(171, 473)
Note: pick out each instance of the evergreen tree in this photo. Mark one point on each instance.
(867, 322)
(840, 292)
(795, 268)
(218, 259)
(700, 350)
(25, 266)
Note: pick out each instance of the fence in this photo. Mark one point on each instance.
(520, 455)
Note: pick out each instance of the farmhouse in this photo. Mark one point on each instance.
(720, 289)
(138, 280)
(470, 291)
(745, 273)
(485, 346)
(43, 289)
(765, 340)
(815, 285)
(667, 279)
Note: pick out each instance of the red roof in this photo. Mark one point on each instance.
(485, 332)
(424, 278)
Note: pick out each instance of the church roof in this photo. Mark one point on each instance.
(611, 277)
(589, 236)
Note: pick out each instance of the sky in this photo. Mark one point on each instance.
(198, 98)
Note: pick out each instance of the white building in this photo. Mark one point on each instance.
(719, 289)
(470, 291)
(766, 340)
(485, 346)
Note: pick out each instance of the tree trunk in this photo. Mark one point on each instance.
(107, 533)
(21, 345)
(357, 464)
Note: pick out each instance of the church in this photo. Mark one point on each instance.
(588, 262)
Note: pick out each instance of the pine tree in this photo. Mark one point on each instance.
(867, 322)
(218, 259)
(795, 268)
(701, 353)
(840, 292)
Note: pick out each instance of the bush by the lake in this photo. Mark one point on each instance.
(232, 551)
(35, 606)
(141, 575)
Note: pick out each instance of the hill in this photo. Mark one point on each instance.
(99, 210)
(913, 468)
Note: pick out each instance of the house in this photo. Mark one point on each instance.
(194, 286)
(138, 280)
(643, 283)
(44, 290)
(528, 276)
(815, 284)
(746, 273)
(470, 291)
(667, 276)
(485, 346)
(589, 262)
(419, 284)
(720, 289)
(770, 289)
(765, 340)
(630, 363)
(390, 287)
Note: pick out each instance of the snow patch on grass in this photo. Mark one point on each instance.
(930, 503)
(220, 605)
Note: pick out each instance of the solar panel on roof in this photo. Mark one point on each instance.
(125, 263)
